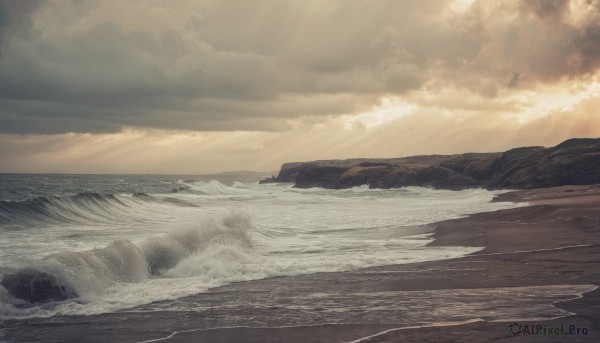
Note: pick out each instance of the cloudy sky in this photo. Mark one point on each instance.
(179, 86)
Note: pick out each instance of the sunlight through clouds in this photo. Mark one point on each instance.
(540, 103)
(389, 109)
(207, 86)
(461, 6)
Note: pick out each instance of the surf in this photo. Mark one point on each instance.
(80, 276)
(109, 252)
(79, 208)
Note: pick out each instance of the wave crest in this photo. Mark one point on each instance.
(78, 208)
(66, 275)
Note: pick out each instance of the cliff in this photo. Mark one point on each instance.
(573, 162)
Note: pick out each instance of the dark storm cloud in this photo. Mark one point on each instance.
(97, 66)
(15, 16)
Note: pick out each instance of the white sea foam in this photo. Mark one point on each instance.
(238, 233)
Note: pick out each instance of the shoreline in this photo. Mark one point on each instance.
(559, 229)
(555, 241)
(560, 239)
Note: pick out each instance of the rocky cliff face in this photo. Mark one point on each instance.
(573, 162)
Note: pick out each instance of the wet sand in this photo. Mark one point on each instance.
(554, 241)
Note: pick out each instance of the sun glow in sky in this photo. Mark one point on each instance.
(206, 86)
(539, 104)
(461, 6)
(388, 110)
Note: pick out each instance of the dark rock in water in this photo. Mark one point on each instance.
(36, 286)
(573, 162)
(271, 179)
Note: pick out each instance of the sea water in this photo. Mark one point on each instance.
(92, 244)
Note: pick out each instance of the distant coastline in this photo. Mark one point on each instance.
(572, 162)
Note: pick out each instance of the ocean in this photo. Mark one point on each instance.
(102, 243)
(91, 252)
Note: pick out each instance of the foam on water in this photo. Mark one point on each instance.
(160, 249)
(312, 306)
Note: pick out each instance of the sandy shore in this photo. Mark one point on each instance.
(555, 241)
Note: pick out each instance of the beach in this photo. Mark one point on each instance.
(540, 266)
(290, 171)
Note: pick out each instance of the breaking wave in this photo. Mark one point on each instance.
(79, 208)
(214, 187)
(81, 276)
(93, 253)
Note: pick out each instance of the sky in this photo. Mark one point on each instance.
(192, 87)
